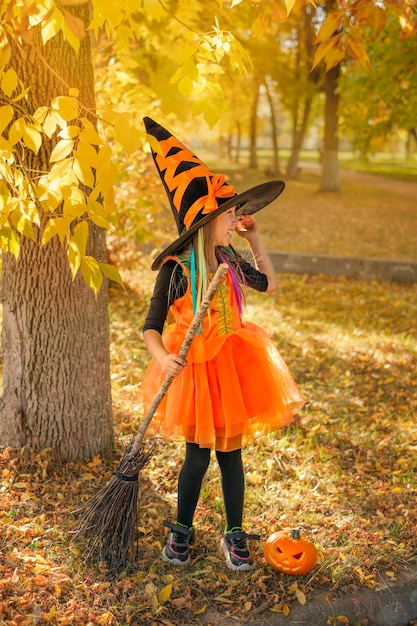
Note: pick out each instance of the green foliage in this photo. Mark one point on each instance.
(374, 105)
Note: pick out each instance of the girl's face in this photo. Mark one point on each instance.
(224, 227)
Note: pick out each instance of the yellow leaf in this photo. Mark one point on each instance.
(32, 138)
(16, 130)
(9, 241)
(9, 81)
(51, 26)
(324, 49)
(80, 237)
(74, 258)
(86, 153)
(201, 610)
(91, 273)
(69, 132)
(343, 619)
(57, 226)
(62, 149)
(97, 213)
(129, 137)
(260, 25)
(289, 5)
(154, 9)
(73, 28)
(62, 173)
(67, 106)
(377, 17)
(22, 223)
(5, 55)
(74, 200)
(301, 597)
(278, 13)
(6, 116)
(165, 593)
(84, 173)
(333, 57)
(106, 176)
(154, 144)
(89, 476)
(357, 50)
(329, 26)
(90, 135)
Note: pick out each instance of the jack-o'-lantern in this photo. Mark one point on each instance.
(290, 553)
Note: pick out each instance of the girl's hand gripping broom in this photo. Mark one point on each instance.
(108, 520)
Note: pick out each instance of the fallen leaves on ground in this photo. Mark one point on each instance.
(346, 474)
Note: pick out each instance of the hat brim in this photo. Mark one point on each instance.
(246, 203)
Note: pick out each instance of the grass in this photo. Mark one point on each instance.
(346, 474)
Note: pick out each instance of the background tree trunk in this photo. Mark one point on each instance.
(275, 169)
(56, 384)
(330, 179)
(298, 140)
(253, 157)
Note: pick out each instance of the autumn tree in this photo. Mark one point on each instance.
(56, 389)
(56, 196)
(374, 106)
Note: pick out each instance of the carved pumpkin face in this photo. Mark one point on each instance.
(290, 553)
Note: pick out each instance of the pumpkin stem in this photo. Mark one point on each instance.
(295, 533)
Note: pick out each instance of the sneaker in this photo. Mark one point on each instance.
(177, 547)
(235, 548)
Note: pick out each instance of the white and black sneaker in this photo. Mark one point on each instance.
(178, 545)
(235, 548)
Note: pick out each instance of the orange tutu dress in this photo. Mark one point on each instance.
(236, 388)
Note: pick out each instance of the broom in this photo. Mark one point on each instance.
(108, 521)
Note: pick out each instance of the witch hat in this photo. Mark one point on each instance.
(196, 194)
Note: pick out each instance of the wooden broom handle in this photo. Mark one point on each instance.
(205, 303)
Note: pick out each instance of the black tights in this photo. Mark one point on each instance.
(191, 477)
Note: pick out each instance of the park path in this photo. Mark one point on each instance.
(405, 188)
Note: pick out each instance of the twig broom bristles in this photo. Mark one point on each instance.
(108, 521)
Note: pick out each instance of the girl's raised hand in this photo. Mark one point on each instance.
(247, 226)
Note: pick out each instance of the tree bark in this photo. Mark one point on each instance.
(330, 179)
(275, 148)
(56, 382)
(253, 158)
(298, 140)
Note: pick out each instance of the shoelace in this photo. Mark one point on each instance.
(239, 538)
(181, 534)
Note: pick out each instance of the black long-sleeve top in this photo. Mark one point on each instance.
(171, 284)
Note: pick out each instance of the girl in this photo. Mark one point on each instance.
(234, 385)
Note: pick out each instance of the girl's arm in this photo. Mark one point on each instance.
(172, 364)
(248, 229)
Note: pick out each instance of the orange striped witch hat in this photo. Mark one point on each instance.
(196, 194)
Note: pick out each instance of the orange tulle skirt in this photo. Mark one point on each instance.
(236, 388)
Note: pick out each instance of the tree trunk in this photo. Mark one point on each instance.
(238, 141)
(253, 157)
(330, 179)
(298, 140)
(275, 149)
(56, 383)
